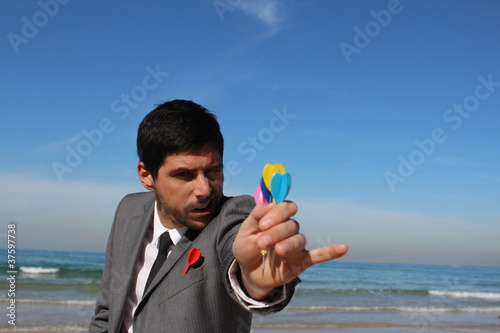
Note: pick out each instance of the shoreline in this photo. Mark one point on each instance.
(342, 328)
(405, 329)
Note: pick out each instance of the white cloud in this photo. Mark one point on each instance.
(78, 215)
(65, 215)
(383, 235)
(56, 147)
(266, 11)
(459, 162)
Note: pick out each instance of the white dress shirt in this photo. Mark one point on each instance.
(147, 259)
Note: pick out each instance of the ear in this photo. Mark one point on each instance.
(145, 176)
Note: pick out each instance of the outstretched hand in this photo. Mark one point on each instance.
(271, 225)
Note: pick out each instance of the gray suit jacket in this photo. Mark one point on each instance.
(200, 301)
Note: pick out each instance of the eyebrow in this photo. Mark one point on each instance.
(217, 166)
(181, 169)
(185, 169)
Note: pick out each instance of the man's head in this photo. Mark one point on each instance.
(173, 127)
(180, 148)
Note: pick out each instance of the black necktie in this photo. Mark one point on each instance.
(165, 242)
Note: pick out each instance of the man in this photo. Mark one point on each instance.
(180, 148)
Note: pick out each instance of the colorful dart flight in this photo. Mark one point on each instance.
(274, 186)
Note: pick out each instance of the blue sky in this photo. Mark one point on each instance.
(385, 113)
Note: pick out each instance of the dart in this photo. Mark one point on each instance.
(274, 187)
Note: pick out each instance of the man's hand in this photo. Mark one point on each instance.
(271, 225)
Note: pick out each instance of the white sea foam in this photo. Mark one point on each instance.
(61, 328)
(392, 309)
(449, 309)
(464, 294)
(53, 302)
(39, 270)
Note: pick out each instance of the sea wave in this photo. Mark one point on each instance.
(56, 284)
(451, 309)
(464, 294)
(61, 328)
(392, 309)
(401, 292)
(39, 270)
(51, 302)
(360, 291)
(59, 271)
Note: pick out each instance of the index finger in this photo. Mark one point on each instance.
(251, 223)
(326, 253)
(279, 213)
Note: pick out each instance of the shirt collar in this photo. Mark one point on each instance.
(159, 229)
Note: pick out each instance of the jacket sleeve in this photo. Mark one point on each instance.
(276, 301)
(233, 213)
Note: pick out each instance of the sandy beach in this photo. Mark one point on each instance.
(372, 329)
(351, 329)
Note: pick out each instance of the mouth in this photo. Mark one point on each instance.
(203, 209)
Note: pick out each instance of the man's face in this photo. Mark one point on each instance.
(188, 188)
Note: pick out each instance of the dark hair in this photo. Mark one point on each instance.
(173, 127)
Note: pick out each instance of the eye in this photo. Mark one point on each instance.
(214, 173)
(182, 174)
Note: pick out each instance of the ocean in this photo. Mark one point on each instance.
(56, 291)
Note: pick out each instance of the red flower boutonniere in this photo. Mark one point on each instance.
(193, 259)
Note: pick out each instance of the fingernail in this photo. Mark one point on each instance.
(265, 241)
(266, 224)
(285, 248)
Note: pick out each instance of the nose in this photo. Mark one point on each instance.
(202, 188)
